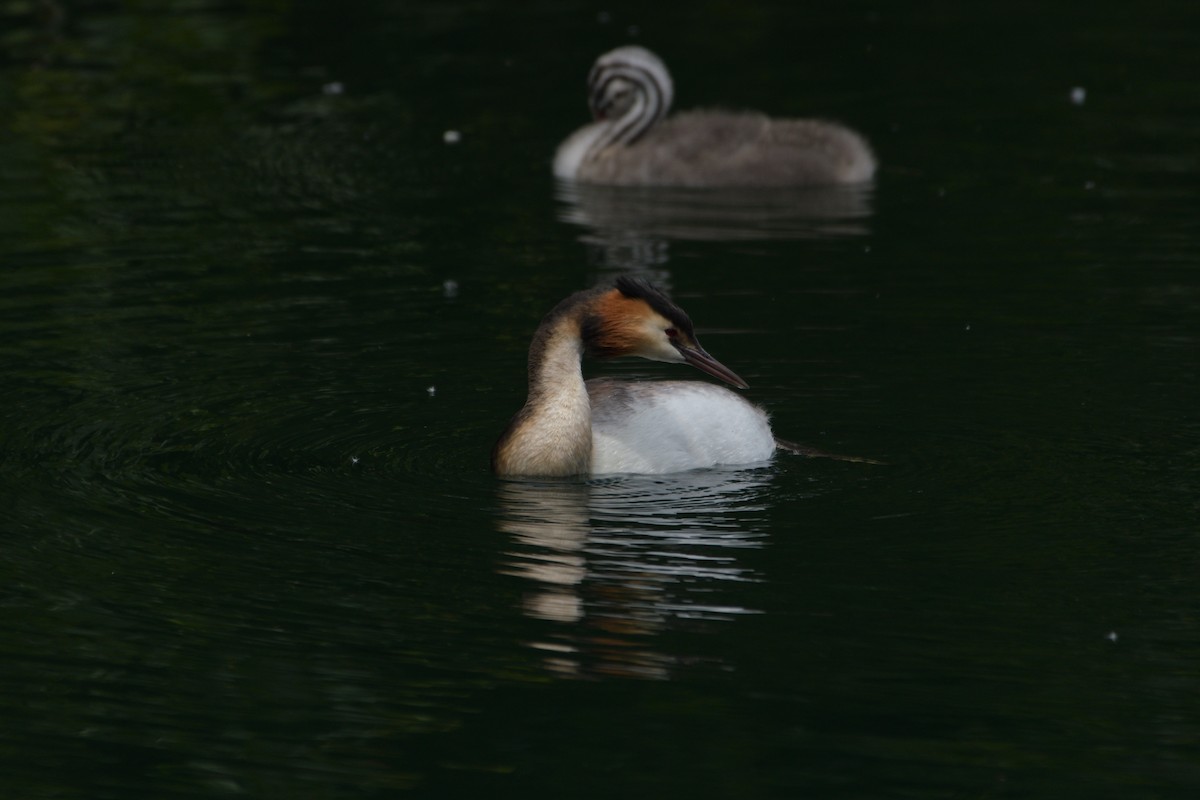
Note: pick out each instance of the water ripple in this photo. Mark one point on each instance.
(614, 562)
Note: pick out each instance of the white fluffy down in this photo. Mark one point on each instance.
(672, 426)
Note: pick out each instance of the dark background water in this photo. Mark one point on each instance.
(260, 325)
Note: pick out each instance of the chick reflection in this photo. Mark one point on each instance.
(629, 227)
(614, 563)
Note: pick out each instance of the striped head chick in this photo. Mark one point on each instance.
(632, 86)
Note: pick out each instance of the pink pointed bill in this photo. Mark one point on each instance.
(702, 361)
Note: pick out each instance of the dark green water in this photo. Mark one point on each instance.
(260, 325)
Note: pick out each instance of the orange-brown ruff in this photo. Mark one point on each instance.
(572, 427)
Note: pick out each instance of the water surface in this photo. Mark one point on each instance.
(260, 324)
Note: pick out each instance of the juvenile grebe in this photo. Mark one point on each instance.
(631, 144)
(572, 427)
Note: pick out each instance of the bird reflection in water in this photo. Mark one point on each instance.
(612, 564)
(630, 227)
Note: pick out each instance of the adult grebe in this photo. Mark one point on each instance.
(572, 427)
(631, 144)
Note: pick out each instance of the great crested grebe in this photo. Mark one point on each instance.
(631, 144)
(602, 426)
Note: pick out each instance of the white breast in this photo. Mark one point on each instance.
(672, 426)
(572, 152)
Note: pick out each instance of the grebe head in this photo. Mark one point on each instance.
(636, 319)
(630, 81)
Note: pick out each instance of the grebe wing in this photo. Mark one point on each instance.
(673, 426)
(742, 148)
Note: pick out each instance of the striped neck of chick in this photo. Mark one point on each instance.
(631, 90)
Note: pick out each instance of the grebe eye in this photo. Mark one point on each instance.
(671, 333)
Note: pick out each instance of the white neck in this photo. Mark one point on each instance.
(553, 434)
(578, 148)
